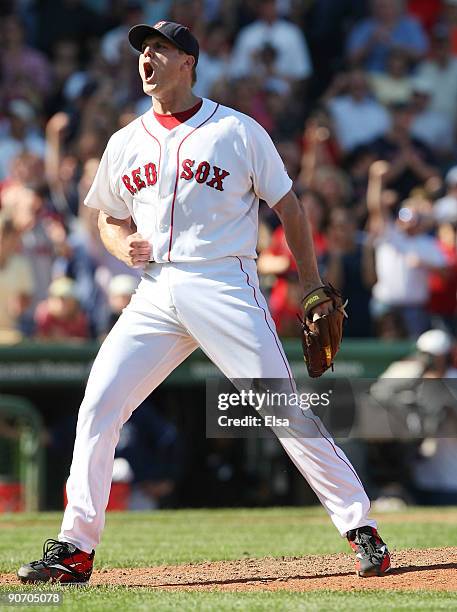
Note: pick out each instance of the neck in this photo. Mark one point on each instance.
(174, 102)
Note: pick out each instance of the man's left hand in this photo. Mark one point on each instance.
(322, 328)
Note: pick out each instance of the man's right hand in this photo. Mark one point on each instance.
(136, 251)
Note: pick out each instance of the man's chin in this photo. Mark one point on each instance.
(149, 88)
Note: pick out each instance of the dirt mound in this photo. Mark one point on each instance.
(431, 569)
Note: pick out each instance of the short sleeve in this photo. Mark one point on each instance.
(102, 194)
(269, 175)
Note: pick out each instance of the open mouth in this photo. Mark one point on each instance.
(148, 71)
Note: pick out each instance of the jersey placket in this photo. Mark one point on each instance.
(167, 188)
(168, 180)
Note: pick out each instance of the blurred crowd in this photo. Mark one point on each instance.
(359, 96)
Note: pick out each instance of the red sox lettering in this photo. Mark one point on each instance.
(146, 176)
(148, 171)
(202, 173)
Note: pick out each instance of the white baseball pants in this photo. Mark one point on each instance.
(218, 306)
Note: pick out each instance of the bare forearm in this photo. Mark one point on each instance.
(52, 160)
(368, 266)
(298, 234)
(376, 177)
(55, 130)
(113, 232)
(122, 240)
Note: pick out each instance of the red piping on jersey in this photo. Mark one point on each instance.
(268, 324)
(177, 178)
(291, 379)
(160, 148)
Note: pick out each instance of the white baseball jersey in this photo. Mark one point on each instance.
(193, 191)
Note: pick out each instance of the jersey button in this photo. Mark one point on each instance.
(163, 227)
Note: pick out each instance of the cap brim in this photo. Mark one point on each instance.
(138, 33)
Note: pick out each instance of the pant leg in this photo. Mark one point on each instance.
(144, 346)
(229, 318)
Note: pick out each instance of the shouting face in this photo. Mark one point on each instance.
(163, 66)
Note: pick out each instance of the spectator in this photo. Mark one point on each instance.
(390, 326)
(190, 13)
(25, 72)
(349, 267)
(113, 40)
(277, 261)
(285, 304)
(319, 146)
(445, 208)
(26, 207)
(120, 290)
(394, 85)
(405, 255)
(150, 445)
(27, 169)
(389, 26)
(433, 471)
(60, 316)
(289, 150)
(21, 135)
(357, 117)
(248, 98)
(266, 71)
(430, 126)
(443, 287)
(16, 281)
(214, 59)
(292, 60)
(440, 71)
(332, 184)
(61, 169)
(315, 207)
(65, 63)
(357, 165)
(328, 23)
(411, 162)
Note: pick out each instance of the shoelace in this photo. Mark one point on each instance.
(52, 549)
(367, 543)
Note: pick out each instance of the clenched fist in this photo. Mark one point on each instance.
(136, 251)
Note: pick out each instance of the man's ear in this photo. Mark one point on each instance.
(189, 63)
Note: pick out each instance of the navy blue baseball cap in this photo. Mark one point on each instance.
(176, 33)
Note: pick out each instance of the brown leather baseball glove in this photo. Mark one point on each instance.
(322, 334)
